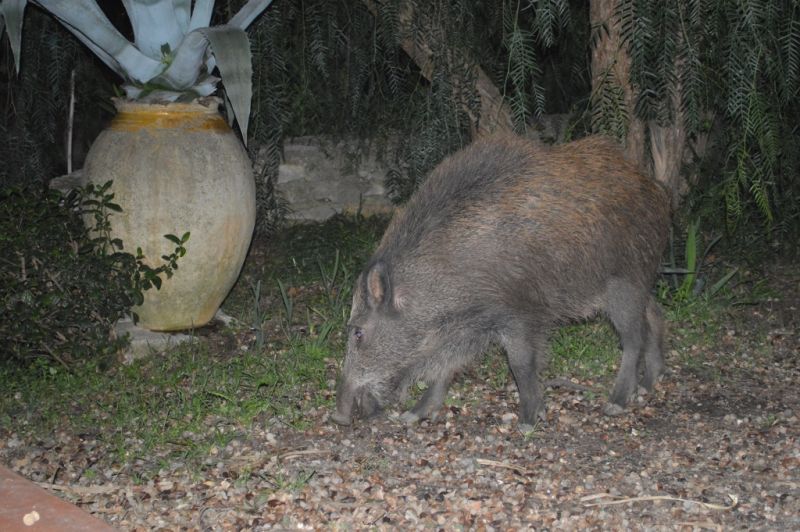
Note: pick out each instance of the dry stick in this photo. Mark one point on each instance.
(494, 111)
(56, 357)
(561, 382)
(305, 452)
(701, 524)
(79, 490)
(624, 500)
(137, 509)
(56, 472)
(70, 120)
(504, 465)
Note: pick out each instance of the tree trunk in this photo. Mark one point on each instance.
(667, 144)
(494, 114)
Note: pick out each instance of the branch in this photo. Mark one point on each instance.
(495, 116)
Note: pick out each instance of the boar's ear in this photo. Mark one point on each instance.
(377, 281)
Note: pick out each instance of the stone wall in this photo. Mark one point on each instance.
(319, 178)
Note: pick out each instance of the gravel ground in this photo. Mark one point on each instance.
(716, 447)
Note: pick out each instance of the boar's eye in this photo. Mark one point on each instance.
(358, 334)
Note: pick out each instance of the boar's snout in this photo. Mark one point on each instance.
(345, 398)
(354, 402)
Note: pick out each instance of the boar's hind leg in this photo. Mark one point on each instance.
(627, 310)
(654, 348)
(523, 351)
(429, 403)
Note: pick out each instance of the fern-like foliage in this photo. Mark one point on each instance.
(436, 122)
(524, 38)
(609, 111)
(34, 111)
(731, 69)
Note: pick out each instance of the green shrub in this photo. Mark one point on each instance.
(64, 281)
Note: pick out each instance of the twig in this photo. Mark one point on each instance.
(89, 463)
(626, 500)
(79, 490)
(561, 382)
(380, 516)
(56, 357)
(70, 120)
(135, 506)
(504, 465)
(701, 524)
(304, 452)
(355, 504)
(55, 473)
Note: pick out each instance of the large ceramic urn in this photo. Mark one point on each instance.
(175, 168)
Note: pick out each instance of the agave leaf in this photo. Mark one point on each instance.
(231, 48)
(183, 14)
(211, 63)
(158, 93)
(150, 94)
(206, 86)
(201, 15)
(185, 67)
(88, 23)
(248, 13)
(12, 11)
(156, 23)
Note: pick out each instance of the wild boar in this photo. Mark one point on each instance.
(503, 242)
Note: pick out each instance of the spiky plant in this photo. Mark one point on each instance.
(175, 51)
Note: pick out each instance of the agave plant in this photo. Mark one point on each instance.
(175, 52)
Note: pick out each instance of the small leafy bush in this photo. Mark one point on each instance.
(64, 281)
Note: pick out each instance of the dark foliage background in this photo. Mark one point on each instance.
(63, 287)
(34, 104)
(336, 67)
(65, 279)
(728, 69)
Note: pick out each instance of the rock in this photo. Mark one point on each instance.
(68, 182)
(144, 342)
(320, 178)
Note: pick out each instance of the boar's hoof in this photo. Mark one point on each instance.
(526, 429)
(341, 419)
(613, 409)
(409, 418)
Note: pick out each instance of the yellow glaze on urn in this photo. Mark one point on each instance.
(187, 117)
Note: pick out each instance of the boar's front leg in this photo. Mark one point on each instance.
(523, 350)
(429, 403)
